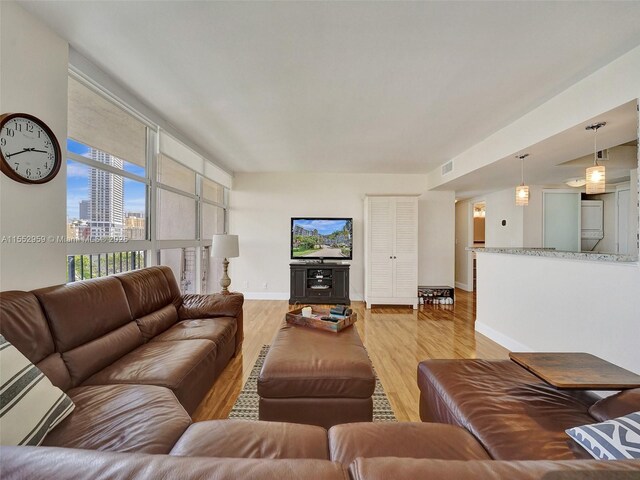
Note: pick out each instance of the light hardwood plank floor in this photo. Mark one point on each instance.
(397, 339)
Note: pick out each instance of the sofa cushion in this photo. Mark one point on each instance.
(218, 330)
(23, 323)
(415, 440)
(617, 405)
(186, 367)
(45, 463)
(122, 418)
(513, 414)
(614, 439)
(31, 406)
(91, 357)
(385, 468)
(247, 439)
(149, 290)
(83, 311)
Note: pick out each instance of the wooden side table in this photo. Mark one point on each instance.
(578, 371)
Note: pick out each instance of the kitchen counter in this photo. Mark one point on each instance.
(552, 253)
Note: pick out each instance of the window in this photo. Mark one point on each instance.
(107, 186)
(137, 196)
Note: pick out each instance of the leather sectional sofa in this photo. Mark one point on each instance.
(510, 411)
(236, 449)
(135, 356)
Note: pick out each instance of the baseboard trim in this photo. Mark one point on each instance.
(464, 286)
(501, 339)
(266, 295)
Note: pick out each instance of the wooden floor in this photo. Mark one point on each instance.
(397, 338)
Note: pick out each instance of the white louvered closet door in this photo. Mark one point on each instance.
(406, 247)
(381, 239)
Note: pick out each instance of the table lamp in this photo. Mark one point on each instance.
(225, 246)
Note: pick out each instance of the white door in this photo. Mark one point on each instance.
(561, 220)
(623, 221)
(405, 255)
(381, 218)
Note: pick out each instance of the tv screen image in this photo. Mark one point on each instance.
(319, 238)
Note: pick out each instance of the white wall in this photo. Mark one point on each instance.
(262, 205)
(501, 206)
(550, 304)
(33, 79)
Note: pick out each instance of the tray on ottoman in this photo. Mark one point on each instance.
(315, 321)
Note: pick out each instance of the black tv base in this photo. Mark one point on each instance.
(325, 283)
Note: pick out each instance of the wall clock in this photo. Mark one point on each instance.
(29, 150)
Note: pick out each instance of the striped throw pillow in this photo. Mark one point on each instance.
(30, 406)
(615, 439)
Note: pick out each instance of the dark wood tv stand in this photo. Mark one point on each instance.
(319, 282)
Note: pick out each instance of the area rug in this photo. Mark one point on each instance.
(246, 406)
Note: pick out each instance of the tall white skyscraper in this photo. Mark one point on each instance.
(107, 198)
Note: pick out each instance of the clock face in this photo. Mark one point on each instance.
(30, 151)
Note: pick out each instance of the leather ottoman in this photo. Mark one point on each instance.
(316, 377)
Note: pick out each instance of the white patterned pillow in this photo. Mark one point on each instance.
(30, 405)
(615, 439)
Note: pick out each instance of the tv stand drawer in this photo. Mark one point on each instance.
(318, 292)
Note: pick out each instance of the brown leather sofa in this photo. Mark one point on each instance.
(135, 356)
(235, 449)
(511, 412)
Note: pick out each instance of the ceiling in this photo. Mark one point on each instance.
(561, 157)
(387, 87)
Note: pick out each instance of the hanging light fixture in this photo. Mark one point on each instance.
(596, 174)
(522, 191)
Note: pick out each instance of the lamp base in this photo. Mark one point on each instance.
(225, 281)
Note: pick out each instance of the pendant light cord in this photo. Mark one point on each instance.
(595, 146)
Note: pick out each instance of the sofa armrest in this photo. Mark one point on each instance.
(215, 305)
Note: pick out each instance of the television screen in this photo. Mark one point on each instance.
(321, 238)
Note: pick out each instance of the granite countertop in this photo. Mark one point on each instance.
(552, 253)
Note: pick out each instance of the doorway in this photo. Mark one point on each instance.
(479, 214)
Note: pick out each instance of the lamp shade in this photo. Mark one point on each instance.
(522, 195)
(596, 179)
(224, 246)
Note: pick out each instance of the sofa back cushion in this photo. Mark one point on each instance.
(622, 403)
(153, 297)
(91, 324)
(83, 311)
(23, 324)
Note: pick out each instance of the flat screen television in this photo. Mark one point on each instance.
(315, 238)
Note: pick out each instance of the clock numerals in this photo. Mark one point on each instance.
(30, 151)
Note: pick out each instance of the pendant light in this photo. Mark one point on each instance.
(522, 191)
(596, 174)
